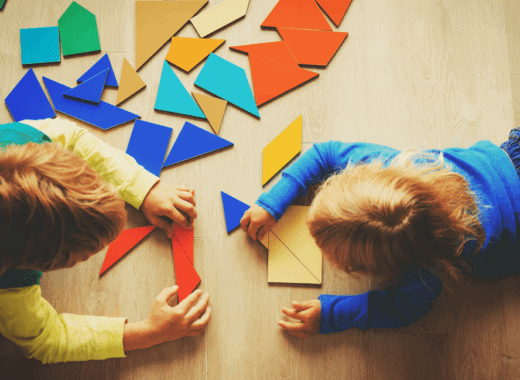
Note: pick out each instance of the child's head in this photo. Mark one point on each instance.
(55, 209)
(375, 219)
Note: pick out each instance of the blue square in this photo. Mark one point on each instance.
(40, 45)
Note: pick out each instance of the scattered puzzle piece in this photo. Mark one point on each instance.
(312, 47)
(193, 142)
(219, 16)
(233, 211)
(124, 243)
(101, 65)
(273, 78)
(78, 31)
(227, 81)
(277, 51)
(28, 101)
(335, 9)
(301, 14)
(131, 83)
(173, 97)
(281, 150)
(185, 238)
(102, 115)
(213, 108)
(148, 144)
(90, 90)
(2, 3)
(186, 276)
(40, 45)
(186, 53)
(157, 21)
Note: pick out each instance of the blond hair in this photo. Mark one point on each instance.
(54, 207)
(376, 220)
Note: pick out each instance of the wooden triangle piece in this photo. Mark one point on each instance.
(90, 90)
(233, 211)
(129, 83)
(186, 276)
(219, 16)
(213, 108)
(185, 238)
(335, 9)
(301, 14)
(187, 53)
(277, 51)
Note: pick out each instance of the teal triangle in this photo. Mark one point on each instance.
(173, 97)
(99, 66)
(233, 211)
(91, 89)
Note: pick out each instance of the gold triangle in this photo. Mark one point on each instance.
(129, 83)
(213, 108)
(187, 53)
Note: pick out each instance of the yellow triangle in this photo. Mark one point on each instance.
(219, 16)
(213, 108)
(129, 83)
(157, 21)
(281, 150)
(186, 53)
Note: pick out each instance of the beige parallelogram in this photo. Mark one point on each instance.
(219, 16)
(187, 53)
(129, 83)
(157, 21)
(213, 108)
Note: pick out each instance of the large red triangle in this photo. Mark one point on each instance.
(185, 274)
(272, 78)
(277, 51)
(303, 14)
(185, 239)
(335, 9)
(124, 243)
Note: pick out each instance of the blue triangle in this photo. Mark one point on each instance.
(91, 89)
(99, 66)
(233, 211)
(102, 115)
(193, 142)
(173, 97)
(28, 101)
(227, 81)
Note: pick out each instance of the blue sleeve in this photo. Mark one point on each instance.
(412, 298)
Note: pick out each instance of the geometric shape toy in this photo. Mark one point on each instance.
(130, 83)
(101, 65)
(186, 276)
(312, 47)
(186, 53)
(184, 237)
(102, 115)
(90, 90)
(281, 150)
(194, 142)
(157, 21)
(219, 16)
(213, 108)
(2, 3)
(277, 51)
(300, 14)
(28, 101)
(233, 211)
(227, 81)
(40, 45)
(335, 9)
(78, 31)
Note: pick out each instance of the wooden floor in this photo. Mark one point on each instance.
(428, 74)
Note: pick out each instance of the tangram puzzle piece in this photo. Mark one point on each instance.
(281, 150)
(40, 45)
(213, 108)
(102, 115)
(294, 257)
(148, 144)
(2, 3)
(219, 16)
(301, 14)
(184, 237)
(186, 276)
(186, 53)
(193, 142)
(227, 81)
(90, 90)
(28, 101)
(312, 47)
(173, 97)
(273, 78)
(233, 211)
(131, 83)
(101, 65)
(157, 21)
(78, 31)
(335, 9)
(277, 51)
(124, 243)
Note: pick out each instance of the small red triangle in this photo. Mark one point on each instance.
(124, 243)
(277, 51)
(303, 14)
(185, 239)
(185, 274)
(335, 9)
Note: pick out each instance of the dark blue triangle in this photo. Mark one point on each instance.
(233, 211)
(99, 66)
(90, 90)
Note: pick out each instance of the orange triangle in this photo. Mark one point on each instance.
(213, 108)
(187, 53)
(124, 243)
(303, 14)
(184, 237)
(272, 78)
(186, 276)
(312, 47)
(157, 21)
(129, 83)
(277, 51)
(335, 9)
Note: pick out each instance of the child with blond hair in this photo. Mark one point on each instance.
(416, 219)
(61, 201)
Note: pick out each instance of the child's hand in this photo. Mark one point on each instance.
(309, 314)
(256, 222)
(177, 204)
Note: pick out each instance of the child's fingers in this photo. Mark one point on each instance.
(187, 196)
(167, 293)
(198, 309)
(301, 305)
(253, 230)
(202, 321)
(261, 232)
(244, 222)
(177, 216)
(162, 224)
(187, 303)
(292, 327)
(291, 313)
(187, 208)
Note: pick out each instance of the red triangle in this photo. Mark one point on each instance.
(124, 243)
(185, 274)
(272, 78)
(304, 14)
(312, 47)
(185, 239)
(335, 9)
(277, 51)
